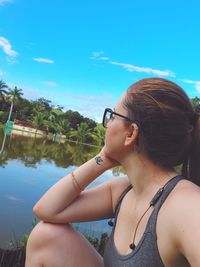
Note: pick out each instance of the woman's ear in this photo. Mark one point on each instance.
(132, 134)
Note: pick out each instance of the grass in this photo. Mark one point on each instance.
(2, 126)
(21, 243)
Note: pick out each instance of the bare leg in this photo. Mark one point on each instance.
(59, 245)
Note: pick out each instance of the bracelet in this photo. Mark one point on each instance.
(76, 184)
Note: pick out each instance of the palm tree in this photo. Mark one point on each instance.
(62, 127)
(3, 87)
(82, 133)
(38, 120)
(14, 94)
(99, 131)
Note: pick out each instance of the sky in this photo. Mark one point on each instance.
(83, 55)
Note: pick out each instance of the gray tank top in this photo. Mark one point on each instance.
(146, 252)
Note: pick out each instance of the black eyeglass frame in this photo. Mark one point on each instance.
(115, 113)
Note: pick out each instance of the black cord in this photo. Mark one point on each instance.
(152, 203)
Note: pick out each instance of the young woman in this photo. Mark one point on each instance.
(152, 129)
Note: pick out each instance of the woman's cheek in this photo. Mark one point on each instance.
(112, 142)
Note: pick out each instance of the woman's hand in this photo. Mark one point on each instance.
(103, 157)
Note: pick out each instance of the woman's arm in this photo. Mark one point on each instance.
(52, 206)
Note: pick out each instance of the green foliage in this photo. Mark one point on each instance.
(83, 134)
(74, 117)
(3, 89)
(99, 132)
(93, 240)
(195, 102)
(42, 115)
(15, 93)
(34, 222)
(41, 105)
(38, 119)
(2, 126)
(3, 116)
(15, 244)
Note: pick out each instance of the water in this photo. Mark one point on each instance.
(28, 167)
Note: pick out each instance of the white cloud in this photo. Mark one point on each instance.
(196, 83)
(198, 87)
(13, 198)
(1, 73)
(91, 106)
(132, 68)
(49, 83)
(104, 58)
(97, 54)
(190, 81)
(43, 60)
(7, 47)
(2, 2)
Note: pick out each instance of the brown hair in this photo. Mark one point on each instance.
(169, 129)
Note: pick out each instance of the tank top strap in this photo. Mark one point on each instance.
(119, 201)
(167, 190)
(112, 222)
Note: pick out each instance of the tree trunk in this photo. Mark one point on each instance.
(10, 113)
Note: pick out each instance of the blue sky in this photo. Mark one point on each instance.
(84, 54)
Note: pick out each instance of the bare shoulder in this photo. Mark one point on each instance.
(184, 219)
(184, 198)
(117, 187)
(184, 194)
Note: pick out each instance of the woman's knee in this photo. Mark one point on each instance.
(64, 243)
(46, 233)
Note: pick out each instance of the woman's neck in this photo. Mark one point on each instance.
(145, 176)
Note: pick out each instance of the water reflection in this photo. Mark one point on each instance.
(28, 167)
(32, 150)
(3, 143)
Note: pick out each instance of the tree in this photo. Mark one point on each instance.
(3, 87)
(99, 132)
(14, 94)
(74, 117)
(42, 105)
(38, 120)
(196, 104)
(83, 133)
(62, 126)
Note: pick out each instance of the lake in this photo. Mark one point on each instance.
(28, 167)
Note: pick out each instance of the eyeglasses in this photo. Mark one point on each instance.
(108, 115)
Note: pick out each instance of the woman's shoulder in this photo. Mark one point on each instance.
(182, 206)
(186, 194)
(186, 191)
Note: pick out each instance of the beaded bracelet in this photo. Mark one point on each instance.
(76, 184)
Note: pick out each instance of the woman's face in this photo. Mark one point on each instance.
(116, 130)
